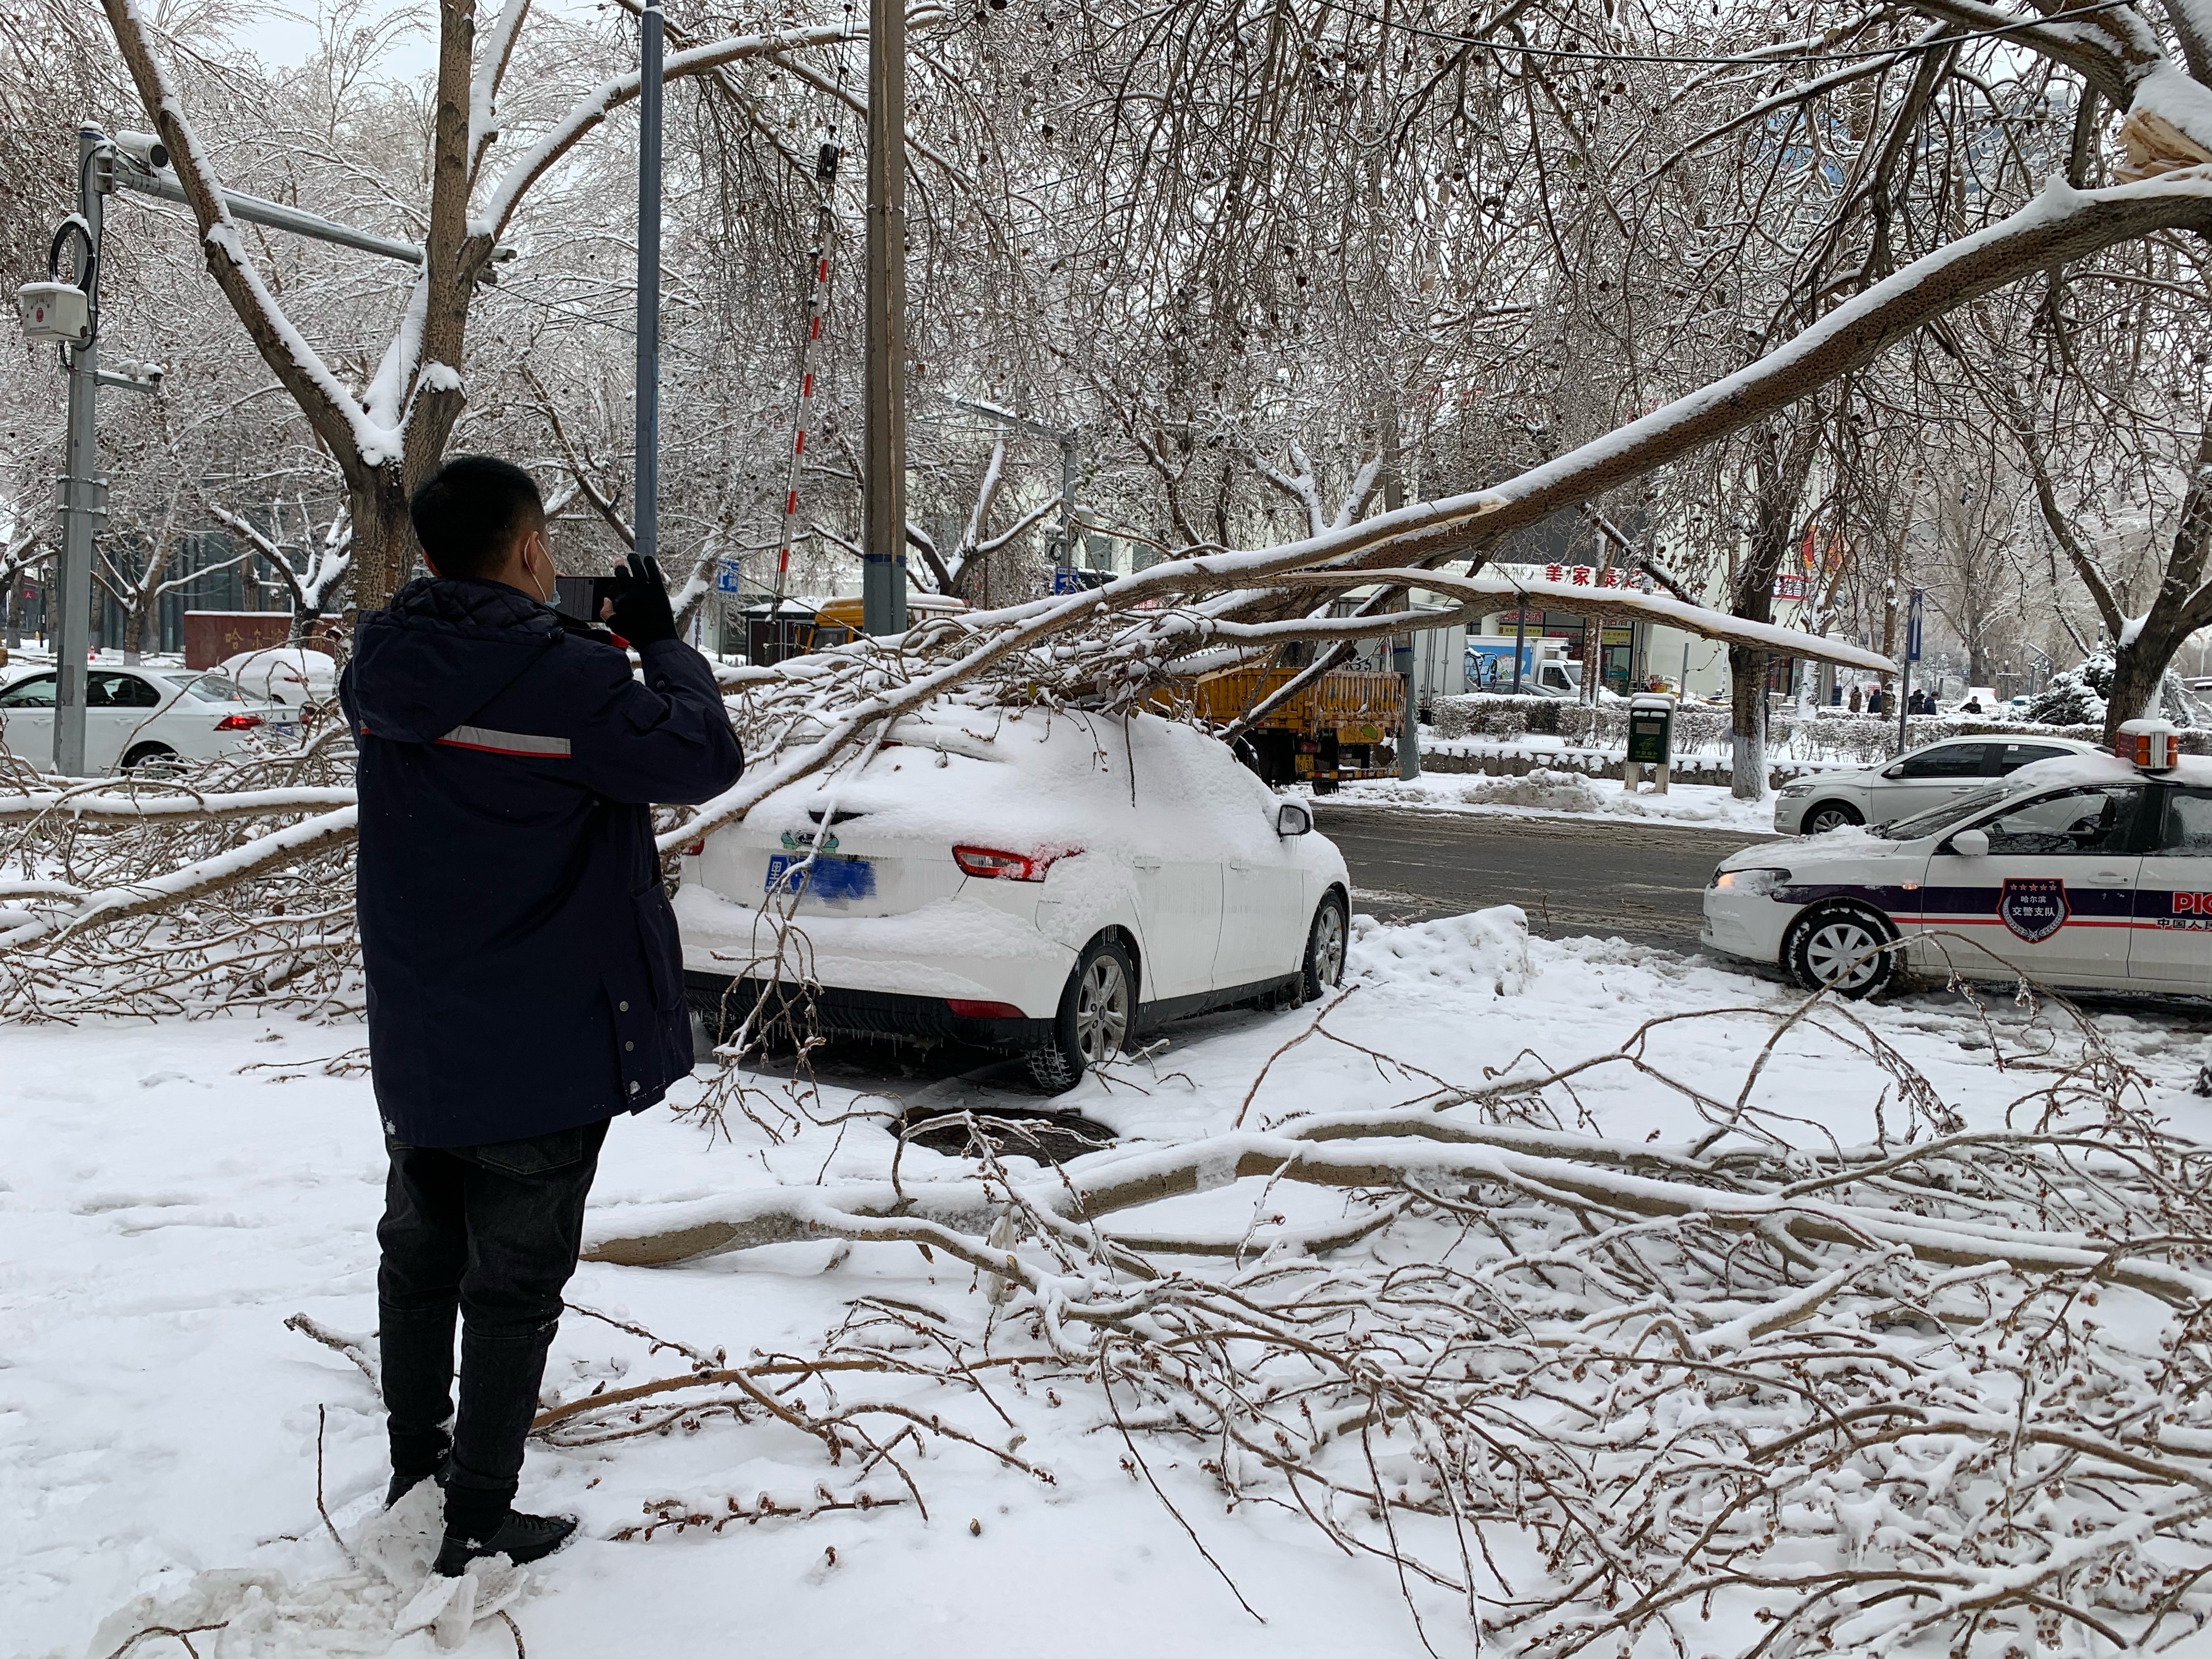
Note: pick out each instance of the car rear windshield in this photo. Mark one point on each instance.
(208, 688)
(1941, 818)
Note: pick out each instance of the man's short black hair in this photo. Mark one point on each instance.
(469, 515)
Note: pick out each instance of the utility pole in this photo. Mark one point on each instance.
(883, 536)
(1404, 649)
(648, 280)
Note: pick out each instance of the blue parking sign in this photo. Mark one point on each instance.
(725, 577)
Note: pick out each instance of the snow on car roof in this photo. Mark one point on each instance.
(2100, 768)
(1037, 778)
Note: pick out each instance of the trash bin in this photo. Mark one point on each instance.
(1651, 741)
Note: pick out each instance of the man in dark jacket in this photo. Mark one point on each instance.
(525, 981)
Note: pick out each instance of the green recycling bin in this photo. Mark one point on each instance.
(1651, 731)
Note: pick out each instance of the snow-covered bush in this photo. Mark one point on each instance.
(2076, 696)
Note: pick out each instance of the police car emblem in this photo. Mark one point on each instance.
(2034, 907)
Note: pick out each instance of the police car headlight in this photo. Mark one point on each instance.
(1750, 881)
(1798, 786)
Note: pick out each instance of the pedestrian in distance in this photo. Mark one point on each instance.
(524, 980)
(1855, 700)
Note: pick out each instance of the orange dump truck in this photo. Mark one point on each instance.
(1336, 728)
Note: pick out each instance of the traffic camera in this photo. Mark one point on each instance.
(54, 313)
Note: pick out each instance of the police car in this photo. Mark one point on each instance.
(2088, 873)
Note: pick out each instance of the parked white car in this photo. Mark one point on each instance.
(1913, 782)
(289, 674)
(1048, 883)
(2081, 873)
(135, 716)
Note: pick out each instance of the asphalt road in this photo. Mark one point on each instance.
(1643, 882)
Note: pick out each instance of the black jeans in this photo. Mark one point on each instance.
(491, 1232)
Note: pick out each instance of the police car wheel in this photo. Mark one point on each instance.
(1830, 815)
(1837, 949)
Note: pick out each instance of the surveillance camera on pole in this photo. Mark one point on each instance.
(65, 314)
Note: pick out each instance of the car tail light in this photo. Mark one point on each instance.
(694, 850)
(965, 1009)
(990, 861)
(238, 722)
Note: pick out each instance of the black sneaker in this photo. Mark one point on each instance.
(403, 1483)
(519, 1538)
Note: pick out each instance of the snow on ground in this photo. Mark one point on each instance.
(1546, 793)
(172, 1192)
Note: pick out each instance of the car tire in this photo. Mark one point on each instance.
(1325, 939)
(148, 754)
(1826, 948)
(1098, 1010)
(1829, 815)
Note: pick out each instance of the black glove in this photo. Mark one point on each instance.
(642, 615)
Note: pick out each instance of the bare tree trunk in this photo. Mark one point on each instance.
(1782, 459)
(384, 549)
(2183, 603)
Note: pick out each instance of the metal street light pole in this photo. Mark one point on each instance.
(136, 162)
(84, 490)
(648, 282)
(883, 538)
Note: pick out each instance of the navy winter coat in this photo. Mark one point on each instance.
(524, 974)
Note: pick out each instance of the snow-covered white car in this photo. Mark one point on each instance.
(2081, 873)
(289, 674)
(1913, 782)
(1047, 883)
(134, 715)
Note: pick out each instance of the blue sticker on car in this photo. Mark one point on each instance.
(2032, 906)
(833, 880)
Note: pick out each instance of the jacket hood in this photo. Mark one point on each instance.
(441, 651)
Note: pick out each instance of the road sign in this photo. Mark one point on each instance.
(1065, 580)
(726, 578)
(1912, 628)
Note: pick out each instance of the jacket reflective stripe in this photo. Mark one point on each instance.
(504, 742)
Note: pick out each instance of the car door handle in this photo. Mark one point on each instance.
(2110, 878)
(1241, 869)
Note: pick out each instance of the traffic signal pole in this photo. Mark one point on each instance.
(883, 538)
(84, 490)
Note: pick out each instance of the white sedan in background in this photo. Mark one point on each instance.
(1048, 883)
(291, 674)
(135, 715)
(2082, 873)
(1913, 782)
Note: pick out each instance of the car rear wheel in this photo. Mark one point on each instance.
(1325, 942)
(148, 754)
(1096, 1010)
(1841, 949)
(1831, 815)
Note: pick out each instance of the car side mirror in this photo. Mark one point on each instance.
(1293, 819)
(1893, 771)
(1971, 843)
